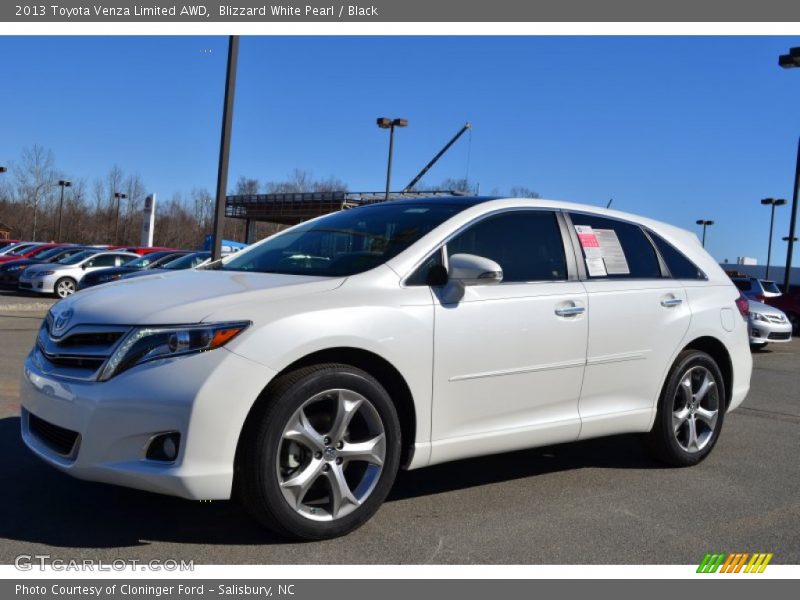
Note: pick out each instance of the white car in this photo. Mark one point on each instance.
(767, 324)
(62, 278)
(301, 373)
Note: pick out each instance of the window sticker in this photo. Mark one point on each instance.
(613, 255)
(602, 251)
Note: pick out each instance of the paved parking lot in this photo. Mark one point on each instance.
(600, 501)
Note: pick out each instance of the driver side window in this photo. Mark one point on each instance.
(526, 244)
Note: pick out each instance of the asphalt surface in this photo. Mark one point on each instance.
(600, 501)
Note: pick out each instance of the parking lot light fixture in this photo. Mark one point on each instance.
(119, 196)
(63, 183)
(390, 124)
(772, 203)
(3, 169)
(705, 223)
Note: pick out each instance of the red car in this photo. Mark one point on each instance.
(141, 250)
(789, 303)
(29, 253)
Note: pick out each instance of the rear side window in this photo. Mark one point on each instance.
(679, 266)
(615, 249)
(526, 244)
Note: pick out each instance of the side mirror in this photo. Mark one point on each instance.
(469, 269)
(84, 266)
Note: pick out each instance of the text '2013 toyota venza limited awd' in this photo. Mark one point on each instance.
(300, 374)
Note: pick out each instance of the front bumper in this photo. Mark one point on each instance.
(42, 285)
(761, 332)
(205, 397)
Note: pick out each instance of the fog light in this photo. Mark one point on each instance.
(755, 333)
(164, 447)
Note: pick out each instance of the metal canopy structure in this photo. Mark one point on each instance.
(291, 209)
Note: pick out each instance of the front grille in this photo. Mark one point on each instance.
(80, 352)
(780, 336)
(59, 440)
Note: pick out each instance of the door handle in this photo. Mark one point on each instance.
(569, 311)
(670, 302)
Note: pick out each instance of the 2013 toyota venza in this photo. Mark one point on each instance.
(300, 374)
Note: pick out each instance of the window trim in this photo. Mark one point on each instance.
(569, 252)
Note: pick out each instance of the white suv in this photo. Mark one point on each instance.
(302, 372)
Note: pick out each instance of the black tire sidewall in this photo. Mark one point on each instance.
(267, 443)
(674, 453)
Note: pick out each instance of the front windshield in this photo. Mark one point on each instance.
(50, 253)
(76, 258)
(141, 262)
(189, 261)
(346, 242)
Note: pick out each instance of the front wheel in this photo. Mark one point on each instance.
(690, 411)
(758, 346)
(65, 287)
(794, 319)
(320, 454)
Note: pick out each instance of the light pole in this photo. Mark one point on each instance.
(36, 206)
(705, 224)
(390, 124)
(63, 183)
(791, 61)
(119, 196)
(771, 202)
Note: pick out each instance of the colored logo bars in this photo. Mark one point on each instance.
(735, 562)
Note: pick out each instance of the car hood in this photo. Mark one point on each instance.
(185, 296)
(50, 267)
(764, 309)
(20, 262)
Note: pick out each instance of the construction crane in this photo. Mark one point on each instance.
(427, 167)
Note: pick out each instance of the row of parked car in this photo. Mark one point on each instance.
(63, 269)
(773, 315)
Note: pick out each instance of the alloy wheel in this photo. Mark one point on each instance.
(331, 454)
(695, 409)
(65, 288)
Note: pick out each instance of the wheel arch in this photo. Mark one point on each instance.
(381, 369)
(717, 350)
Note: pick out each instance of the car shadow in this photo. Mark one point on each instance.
(41, 505)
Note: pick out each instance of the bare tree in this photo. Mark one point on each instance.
(520, 191)
(34, 178)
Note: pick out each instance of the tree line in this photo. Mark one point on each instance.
(93, 214)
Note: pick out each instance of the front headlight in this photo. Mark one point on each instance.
(144, 344)
(105, 278)
(758, 317)
(15, 268)
(42, 273)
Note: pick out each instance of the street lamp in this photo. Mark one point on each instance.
(705, 224)
(63, 183)
(771, 202)
(786, 238)
(3, 169)
(119, 196)
(390, 124)
(791, 61)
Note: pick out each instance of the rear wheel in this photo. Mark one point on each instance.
(65, 287)
(319, 456)
(690, 411)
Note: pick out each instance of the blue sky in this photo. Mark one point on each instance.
(676, 128)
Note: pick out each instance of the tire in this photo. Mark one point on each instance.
(794, 319)
(758, 346)
(66, 286)
(682, 410)
(305, 472)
